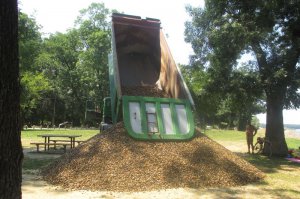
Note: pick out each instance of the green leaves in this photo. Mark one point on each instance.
(29, 42)
(223, 31)
(33, 86)
(65, 69)
(94, 17)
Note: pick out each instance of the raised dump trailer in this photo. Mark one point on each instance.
(146, 87)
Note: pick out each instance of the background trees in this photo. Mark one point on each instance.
(64, 72)
(33, 81)
(94, 31)
(269, 30)
(226, 105)
(61, 66)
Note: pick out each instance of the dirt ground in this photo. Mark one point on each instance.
(33, 187)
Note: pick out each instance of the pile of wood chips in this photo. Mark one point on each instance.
(113, 161)
(146, 91)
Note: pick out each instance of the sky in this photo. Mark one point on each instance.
(59, 15)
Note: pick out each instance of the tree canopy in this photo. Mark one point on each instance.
(222, 31)
(33, 81)
(61, 73)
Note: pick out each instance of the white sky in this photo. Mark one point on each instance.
(289, 117)
(59, 15)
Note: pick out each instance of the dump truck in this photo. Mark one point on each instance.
(147, 90)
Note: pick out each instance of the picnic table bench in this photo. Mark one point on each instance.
(49, 141)
(46, 145)
(57, 141)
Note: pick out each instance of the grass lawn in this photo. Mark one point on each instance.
(240, 137)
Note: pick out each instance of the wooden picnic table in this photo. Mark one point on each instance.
(49, 137)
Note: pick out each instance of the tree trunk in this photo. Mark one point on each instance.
(54, 111)
(274, 126)
(11, 153)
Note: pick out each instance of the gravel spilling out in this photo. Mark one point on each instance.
(113, 161)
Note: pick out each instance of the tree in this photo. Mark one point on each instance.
(34, 87)
(239, 97)
(269, 30)
(75, 63)
(11, 153)
(59, 60)
(30, 42)
(34, 84)
(228, 106)
(94, 30)
(205, 102)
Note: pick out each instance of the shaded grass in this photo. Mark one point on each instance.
(282, 176)
(270, 165)
(35, 164)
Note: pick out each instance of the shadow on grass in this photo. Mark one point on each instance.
(270, 165)
(248, 193)
(35, 164)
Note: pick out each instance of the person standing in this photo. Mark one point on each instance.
(250, 133)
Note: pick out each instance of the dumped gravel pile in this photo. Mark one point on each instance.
(147, 91)
(115, 162)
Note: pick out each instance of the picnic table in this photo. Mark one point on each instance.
(56, 140)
